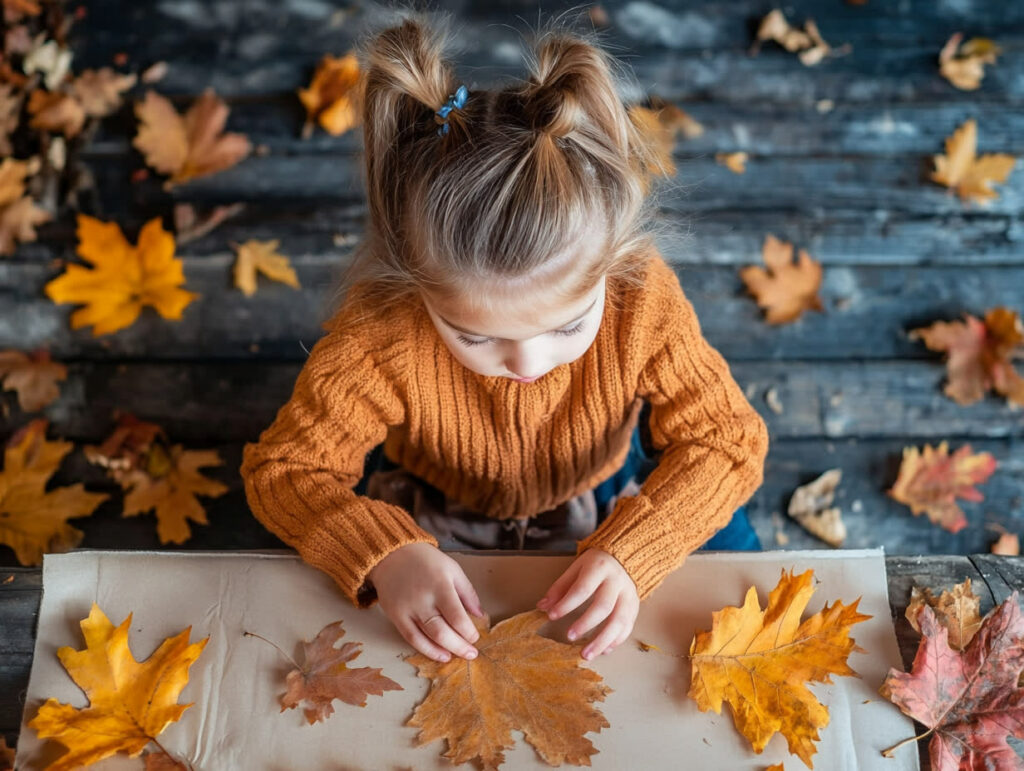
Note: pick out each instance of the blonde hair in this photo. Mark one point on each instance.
(522, 173)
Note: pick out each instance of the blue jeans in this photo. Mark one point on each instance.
(737, 535)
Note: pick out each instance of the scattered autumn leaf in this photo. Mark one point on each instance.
(807, 43)
(333, 98)
(970, 700)
(130, 702)
(964, 66)
(931, 480)
(188, 225)
(34, 376)
(979, 354)
(1008, 545)
(734, 162)
(19, 214)
(56, 112)
(647, 647)
(100, 91)
(191, 146)
(14, 10)
(786, 289)
(518, 681)
(124, 278)
(32, 519)
(48, 58)
(759, 661)
(262, 257)
(811, 506)
(963, 170)
(957, 609)
(659, 124)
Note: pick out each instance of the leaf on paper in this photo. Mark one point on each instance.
(979, 354)
(124, 278)
(33, 376)
(19, 215)
(776, 767)
(262, 257)
(334, 97)
(100, 91)
(964, 66)
(324, 675)
(130, 702)
(970, 700)
(519, 681)
(759, 661)
(1008, 544)
(785, 289)
(932, 480)
(161, 761)
(811, 506)
(963, 170)
(191, 146)
(957, 609)
(659, 125)
(33, 520)
(158, 476)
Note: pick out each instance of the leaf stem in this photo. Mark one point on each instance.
(165, 752)
(889, 752)
(261, 637)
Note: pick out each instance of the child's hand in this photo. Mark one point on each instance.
(595, 573)
(426, 595)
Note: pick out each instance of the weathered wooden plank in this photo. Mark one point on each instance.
(869, 310)
(20, 594)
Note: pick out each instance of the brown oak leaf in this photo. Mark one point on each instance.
(518, 681)
(957, 609)
(786, 289)
(262, 257)
(932, 480)
(33, 376)
(963, 170)
(333, 98)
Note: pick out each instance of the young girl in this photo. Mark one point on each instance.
(504, 322)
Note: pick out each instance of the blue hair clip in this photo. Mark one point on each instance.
(455, 101)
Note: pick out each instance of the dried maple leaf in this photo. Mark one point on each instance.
(19, 214)
(191, 146)
(518, 681)
(32, 519)
(811, 506)
(262, 256)
(55, 111)
(1008, 544)
(333, 98)
(964, 68)
(100, 91)
(963, 170)
(34, 376)
(932, 480)
(124, 277)
(957, 609)
(734, 162)
(786, 289)
(324, 676)
(130, 702)
(759, 661)
(970, 700)
(6, 755)
(659, 125)
(158, 476)
(979, 354)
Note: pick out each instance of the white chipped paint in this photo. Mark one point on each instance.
(885, 125)
(654, 24)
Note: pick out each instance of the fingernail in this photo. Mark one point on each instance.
(588, 654)
(552, 615)
(571, 635)
(443, 657)
(543, 604)
(471, 655)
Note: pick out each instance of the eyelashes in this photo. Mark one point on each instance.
(561, 332)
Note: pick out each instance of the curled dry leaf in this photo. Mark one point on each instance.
(100, 92)
(191, 146)
(808, 44)
(130, 702)
(1008, 545)
(979, 354)
(811, 506)
(32, 519)
(333, 98)
(783, 288)
(964, 66)
(961, 169)
(49, 58)
(324, 675)
(262, 257)
(970, 701)
(33, 376)
(519, 681)
(124, 278)
(957, 609)
(19, 214)
(931, 480)
(759, 661)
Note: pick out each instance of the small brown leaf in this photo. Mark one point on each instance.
(55, 112)
(659, 125)
(957, 609)
(188, 226)
(964, 68)
(786, 289)
(811, 506)
(262, 256)
(963, 170)
(334, 97)
(734, 162)
(100, 91)
(33, 376)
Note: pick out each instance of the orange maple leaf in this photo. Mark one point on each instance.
(786, 289)
(191, 146)
(759, 661)
(957, 609)
(124, 278)
(979, 354)
(334, 97)
(659, 125)
(931, 481)
(130, 702)
(32, 519)
(262, 257)
(33, 376)
(518, 681)
(963, 170)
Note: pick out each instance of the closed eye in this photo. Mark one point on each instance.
(573, 331)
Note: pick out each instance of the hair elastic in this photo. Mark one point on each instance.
(455, 101)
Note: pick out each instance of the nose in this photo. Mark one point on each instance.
(525, 358)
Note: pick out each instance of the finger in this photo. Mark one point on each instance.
(557, 589)
(454, 612)
(598, 610)
(582, 588)
(609, 632)
(437, 629)
(420, 642)
(468, 595)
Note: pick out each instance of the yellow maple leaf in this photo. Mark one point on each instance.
(130, 702)
(783, 288)
(124, 277)
(759, 661)
(261, 256)
(32, 519)
(334, 97)
(963, 170)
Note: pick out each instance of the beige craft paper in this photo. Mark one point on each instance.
(235, 684)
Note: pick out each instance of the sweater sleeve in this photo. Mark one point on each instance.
(713, 446)
(300, 474)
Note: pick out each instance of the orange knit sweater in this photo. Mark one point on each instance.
(509, 449)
